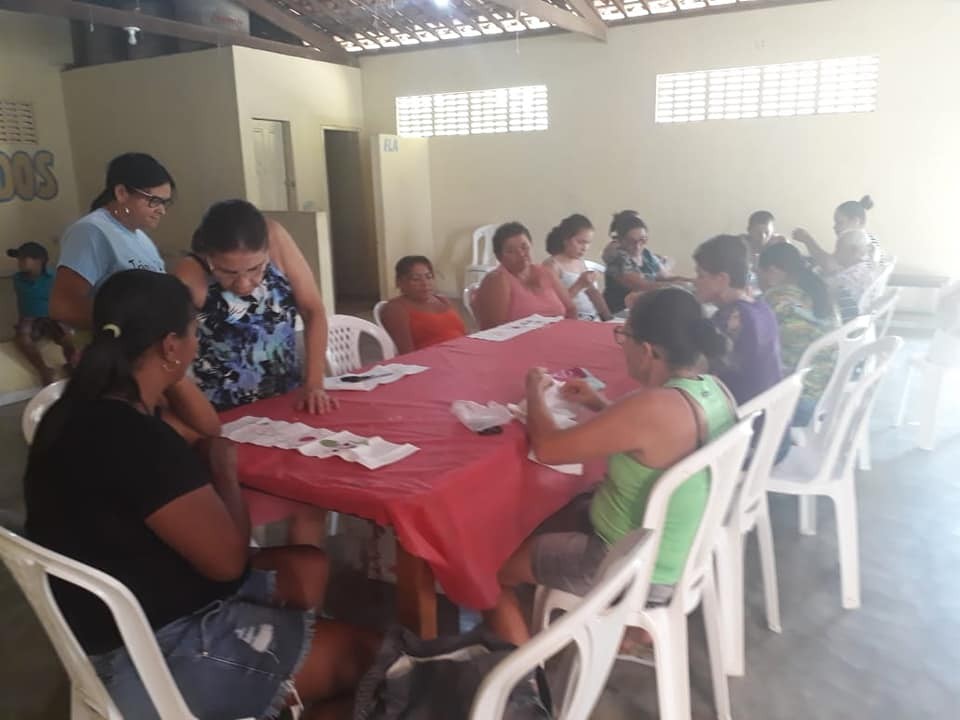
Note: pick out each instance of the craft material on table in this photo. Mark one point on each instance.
(371, 452)
(375, 376)
(511, 330)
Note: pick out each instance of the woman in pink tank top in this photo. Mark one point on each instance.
(518, 288)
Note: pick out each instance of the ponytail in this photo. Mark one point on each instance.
(569, 227)
(102, 200)
(133, 311)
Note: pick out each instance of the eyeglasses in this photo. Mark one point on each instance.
(621, 334)
(155, 201)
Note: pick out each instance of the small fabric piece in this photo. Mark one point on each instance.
(374, 377)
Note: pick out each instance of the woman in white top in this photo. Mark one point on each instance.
(567, 244)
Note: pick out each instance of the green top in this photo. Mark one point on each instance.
(798, 328)
(620, 501)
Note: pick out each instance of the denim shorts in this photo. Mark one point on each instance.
(234, 658)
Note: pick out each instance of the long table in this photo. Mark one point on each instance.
(464, 502)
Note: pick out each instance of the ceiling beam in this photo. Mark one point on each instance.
(619, 5)
(586, 9)
(98, 14)
(594, 27)
(288, 21)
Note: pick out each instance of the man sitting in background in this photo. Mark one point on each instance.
(32, 285)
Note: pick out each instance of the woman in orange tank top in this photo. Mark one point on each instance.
(419, 318)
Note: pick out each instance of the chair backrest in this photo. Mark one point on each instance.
(595, 627)
(776, 406)
(378, 312)
(882, 311)
(844, 340)
(343, 342)
(469, 295)
(38, 405)
(848, 404)
(483, 245)
(723, 457)
(877, 288)
(32, 566)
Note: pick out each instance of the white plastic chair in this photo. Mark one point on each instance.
(469, 295)
(667, 624)
(32, 566)
(482, 260)
(941, 360)
(378, 312)
(343, 342)
(595, 626)
(38, 405)
(882, 311)
(824, 466)
(750, 511)
(877, 288)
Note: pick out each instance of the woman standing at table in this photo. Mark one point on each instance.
(238, 634)
(112, 237)
(567, 244)
(419, 318)
(518, 288)
(249, 281)
(675, 411)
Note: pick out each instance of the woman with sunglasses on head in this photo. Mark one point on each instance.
(113, 237)
(674, 411)
(249, 281)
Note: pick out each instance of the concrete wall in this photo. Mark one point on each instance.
(32, 51)
(603, 151)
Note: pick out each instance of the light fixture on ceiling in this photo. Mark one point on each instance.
(132, 31)
(441, 3)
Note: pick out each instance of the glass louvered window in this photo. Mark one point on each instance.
(476, 112)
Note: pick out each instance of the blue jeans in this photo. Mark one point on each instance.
(234, 658)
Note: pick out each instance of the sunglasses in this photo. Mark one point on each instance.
(155, 201)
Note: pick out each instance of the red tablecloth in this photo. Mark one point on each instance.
(464, 502)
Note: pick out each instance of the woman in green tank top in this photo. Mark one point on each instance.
(674, 411)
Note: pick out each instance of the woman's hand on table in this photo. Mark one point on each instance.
(315, 401)
(581, 392)
(537, 382)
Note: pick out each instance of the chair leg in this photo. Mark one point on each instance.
(848, 541)
(672, 662)
(768, 566)
(931, 387)
(712, 622)
(729, 559)
(333, 523)
(808, 514)
(904, 398)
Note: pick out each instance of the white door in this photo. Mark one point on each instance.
(270, 160)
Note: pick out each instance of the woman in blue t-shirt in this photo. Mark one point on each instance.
(110, 238)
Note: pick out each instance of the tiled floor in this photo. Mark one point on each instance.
(896, 658)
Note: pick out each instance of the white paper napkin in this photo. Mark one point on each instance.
(511, 330)
(371, 452)
(477, 417)
(378, 375)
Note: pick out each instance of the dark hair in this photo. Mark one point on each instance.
(505, 232)
(787, 258)
(132, 311)
(568, 228)
(856, 209)
(135, 171)
(673, 320)
(760, 217)
(625, 221)
(230, 225)
(406, 264)
(725, 254)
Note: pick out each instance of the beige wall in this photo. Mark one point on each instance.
(310, 95)
(32, 51)
(180, 108)
(603, 151)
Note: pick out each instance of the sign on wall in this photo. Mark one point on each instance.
(27, 177)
